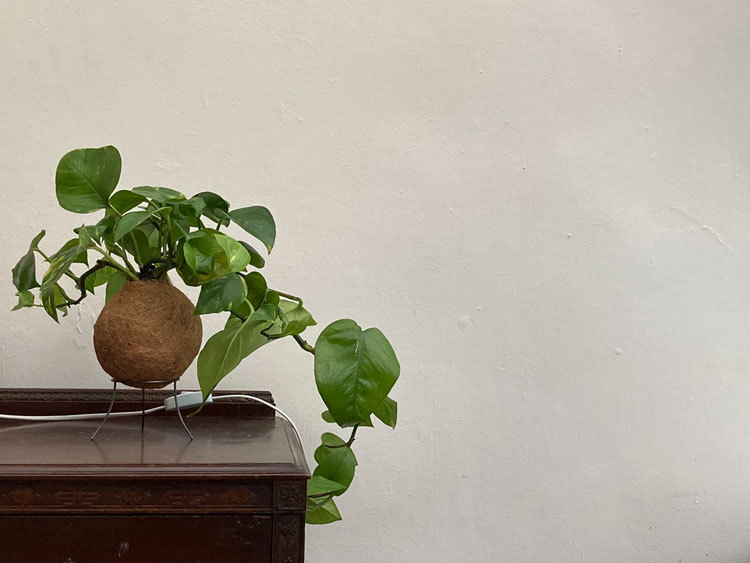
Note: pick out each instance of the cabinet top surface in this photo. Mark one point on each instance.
(224, 446)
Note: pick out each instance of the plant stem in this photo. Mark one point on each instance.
(170, 241)
(115, 210)
(124, 255)
(349, 442)
(136, 253)
(82, 282)
(351, 438)
(288, 296)
(240, 317)
(160, 242)
(115, 265)
(304, 345)
(163, 243)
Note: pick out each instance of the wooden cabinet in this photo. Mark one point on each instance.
(234, 494)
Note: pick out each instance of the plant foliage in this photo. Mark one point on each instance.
(148, 231)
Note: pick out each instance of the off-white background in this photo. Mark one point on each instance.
(545, 205)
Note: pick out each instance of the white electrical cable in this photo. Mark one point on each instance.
(262, 402)
(64, 417)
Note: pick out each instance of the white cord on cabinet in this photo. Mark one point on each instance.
(187, 401)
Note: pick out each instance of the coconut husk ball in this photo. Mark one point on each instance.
(147, 332)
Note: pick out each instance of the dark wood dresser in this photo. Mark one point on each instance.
(235, 494)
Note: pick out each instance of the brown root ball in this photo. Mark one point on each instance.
(147, 332)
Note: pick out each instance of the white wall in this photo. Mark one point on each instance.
(545, 205)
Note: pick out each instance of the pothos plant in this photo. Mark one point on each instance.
(147, 232)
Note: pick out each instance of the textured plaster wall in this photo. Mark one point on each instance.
(545, 205)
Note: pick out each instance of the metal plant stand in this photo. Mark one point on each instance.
(143, 402)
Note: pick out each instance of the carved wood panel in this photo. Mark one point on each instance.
(135, 497)
(291, 495)
(288, 538)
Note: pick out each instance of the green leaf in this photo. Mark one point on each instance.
(318, 485)
(158, 194)
(238, 257)
(296, 317)
(100, 277)
(216, 207)
(125, 200)
(328, 417)
(266, 312)
(36, 240)
(208, 254)
(256, 294)
(256, 289)
(327, 439)
(25, 299)
(354, 370)
(60, 263)
(336, 461)
(223, 294)
(323, 513)
(313, 502)
(187, 211)
(132, 220)
(338, 466)
(145, 238)
(256, 260)
(72, 244)
(387, 412)
(226, 349)
(115, 284)
(85, 178)
(87, 236)
(105, 229)
(272, 297)
(24, 272)
(94, 232)
(258, 221)
(56, 302)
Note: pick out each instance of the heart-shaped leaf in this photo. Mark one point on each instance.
(207, 254)
(25, 299)
(131, 220)
(319, 485)
(258, 221)
(223, 294)
(115, 284)
(354, 370)
(125, 200)
(158, 194)
(24, 272)
(226, 349)
(256, 259)
(216, 207)
(323, 512)
(85, 178)
(296, 318)
(336, 461)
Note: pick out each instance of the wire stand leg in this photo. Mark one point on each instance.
(143, 410)
(109, 411)
(179, 412)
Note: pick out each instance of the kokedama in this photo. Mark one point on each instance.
(150, 331)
